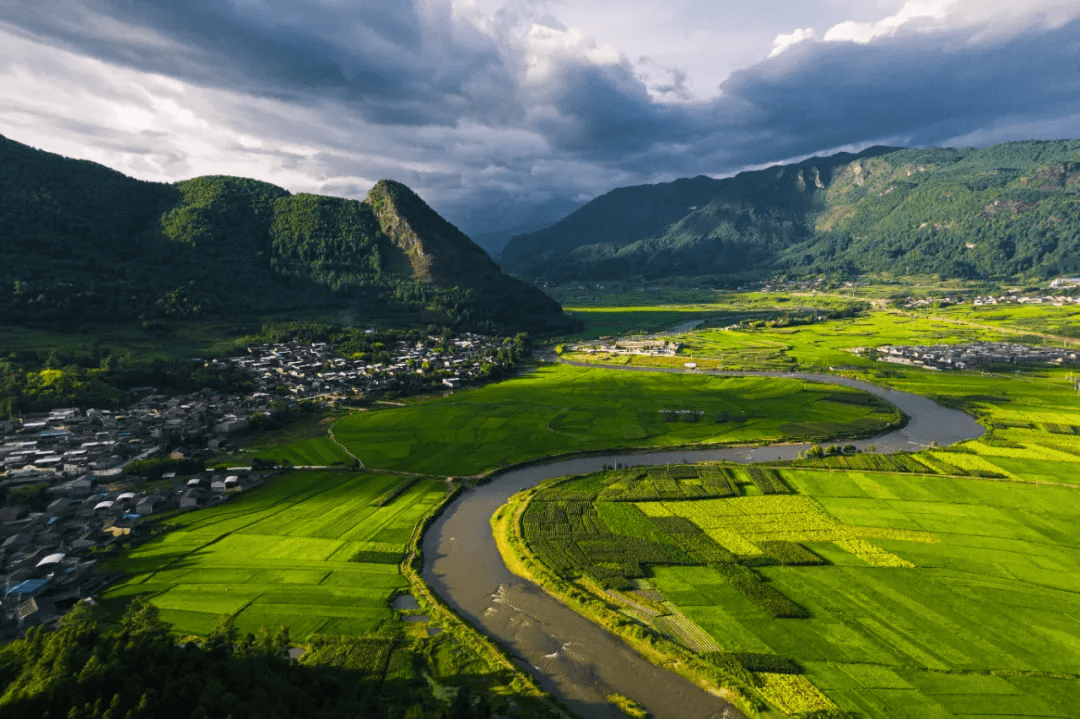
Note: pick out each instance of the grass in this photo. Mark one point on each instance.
(283, 555)
(304, 443)
(560, 409)
(815, 346)
(820, 345)
(607, 321)
(1062, 321)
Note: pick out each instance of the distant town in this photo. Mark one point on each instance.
(67, 474)
(1009, 298)
(970, 354)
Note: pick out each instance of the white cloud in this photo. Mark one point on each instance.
(913, 10)
(783, 42)
(995, 18)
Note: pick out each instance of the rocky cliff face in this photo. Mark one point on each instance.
(439, 254)
(436, 251)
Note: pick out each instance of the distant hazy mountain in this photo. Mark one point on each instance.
(80, 241)
(1008, 209)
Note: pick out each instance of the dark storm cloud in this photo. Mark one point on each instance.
(921, 88)
(384, 60)
(918, 89)
(507, 118)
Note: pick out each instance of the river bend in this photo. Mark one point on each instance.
(574, 659)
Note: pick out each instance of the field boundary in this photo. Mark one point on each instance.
(330, 431)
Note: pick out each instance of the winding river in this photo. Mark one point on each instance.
(574, 659)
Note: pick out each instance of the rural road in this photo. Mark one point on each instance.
(576, 660)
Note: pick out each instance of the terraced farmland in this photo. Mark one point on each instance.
(309, 551)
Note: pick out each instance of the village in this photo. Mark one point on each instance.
(317, 370)
(1012, 297)
(971, 354)
(72, 496)
(650, 345)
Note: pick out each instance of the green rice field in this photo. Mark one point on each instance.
(944, 583)
(607, 321)
(986, 611)
(558, 409)
(1063, 321)
(814, 346)
(307, 551)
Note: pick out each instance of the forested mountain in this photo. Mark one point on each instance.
(999, 211)
(79, 241)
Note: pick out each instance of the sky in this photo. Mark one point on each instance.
(506, 114)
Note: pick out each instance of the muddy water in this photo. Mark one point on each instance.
(573, 658)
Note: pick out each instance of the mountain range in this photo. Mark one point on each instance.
(79, 242)
(1010, 209)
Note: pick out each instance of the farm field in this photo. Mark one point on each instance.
(309, 551)
(937, 584)
(813, 346)
(1063, 321)
(304, 443)
(615, 313)
(991, 587)
(558, 409)
(607, 321)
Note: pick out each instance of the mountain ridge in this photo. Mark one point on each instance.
(84, 242)
(884, 209)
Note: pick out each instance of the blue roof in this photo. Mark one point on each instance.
(29, 587)
(131, 515)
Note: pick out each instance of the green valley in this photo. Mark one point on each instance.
(934, 584)
(558, 410)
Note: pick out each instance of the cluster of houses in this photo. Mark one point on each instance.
(318, 370)
(972, 354)
(51, 539)
(780, 284)
(656, 347)
(69, 498)
(65, 446)
(1010, 298)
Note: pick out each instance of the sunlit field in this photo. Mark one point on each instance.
(309, 552)
(559, 409)
(935, 584)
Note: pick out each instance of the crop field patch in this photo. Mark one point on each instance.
(739, 524)
(559, 409)
(282, 555)
(948, 579)
(997, 590)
